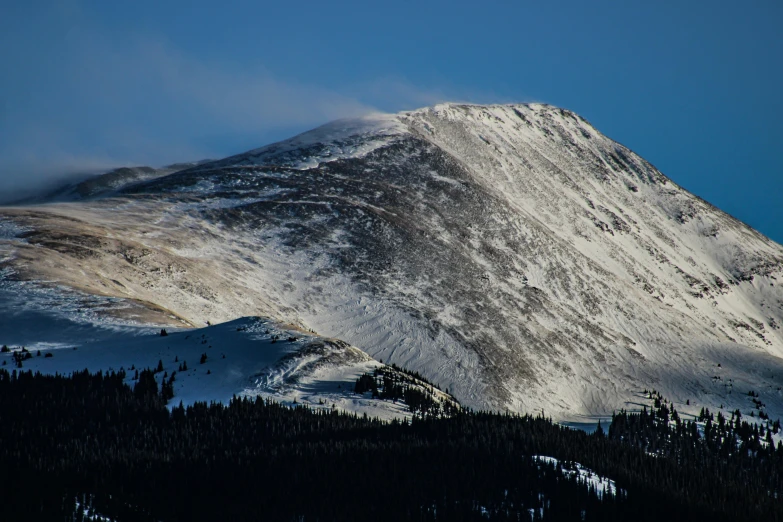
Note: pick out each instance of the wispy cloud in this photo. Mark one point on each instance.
(244, 99)
(144, 100)
(93, 100)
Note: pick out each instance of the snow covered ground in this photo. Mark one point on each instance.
(511, 253)
(340, 139)
(584, 475)
(245, 357)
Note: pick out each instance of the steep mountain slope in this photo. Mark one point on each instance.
(510, 253)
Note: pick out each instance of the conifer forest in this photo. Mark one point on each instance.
(88, 446)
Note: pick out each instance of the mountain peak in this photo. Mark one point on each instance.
(511, 253)
(355, 137)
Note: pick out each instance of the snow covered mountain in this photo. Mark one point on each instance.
(510, 253)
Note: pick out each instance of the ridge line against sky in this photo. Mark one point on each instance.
(694, 89)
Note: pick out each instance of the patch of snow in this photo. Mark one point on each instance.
(347, 138)
(598, 483)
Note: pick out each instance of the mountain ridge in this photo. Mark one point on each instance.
(511, 252)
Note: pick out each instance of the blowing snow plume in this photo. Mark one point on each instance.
(510, 253)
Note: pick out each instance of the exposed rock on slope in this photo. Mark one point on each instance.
(511, 253)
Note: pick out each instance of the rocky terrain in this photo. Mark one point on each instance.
(511, 254)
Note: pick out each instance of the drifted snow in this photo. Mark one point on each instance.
(511, 254)
(349, 138)
(242, 360)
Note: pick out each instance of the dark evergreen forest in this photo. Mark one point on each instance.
(89, 443)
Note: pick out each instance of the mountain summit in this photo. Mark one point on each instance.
(511, 254)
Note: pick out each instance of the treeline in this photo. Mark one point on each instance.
(744, 452)
(395, 384)
(91, 441)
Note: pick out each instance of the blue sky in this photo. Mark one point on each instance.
(694, 87)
